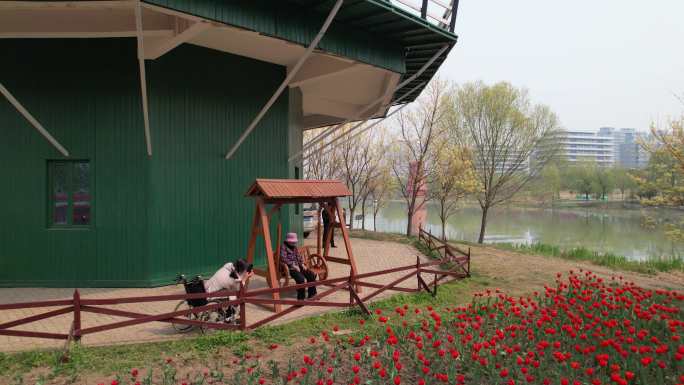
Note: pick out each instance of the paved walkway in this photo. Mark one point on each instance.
(370, 256)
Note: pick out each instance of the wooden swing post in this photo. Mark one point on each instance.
(277, 192)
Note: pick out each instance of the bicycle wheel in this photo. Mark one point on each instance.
(217, 315)
(183, 328)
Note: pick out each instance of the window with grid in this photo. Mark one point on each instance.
(69, 194)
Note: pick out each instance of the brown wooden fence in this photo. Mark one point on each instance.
(77, 305)
(455, 257)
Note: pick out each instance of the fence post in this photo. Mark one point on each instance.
(468, 274)
(77, 315)
(434, 292)
(243, 308)
(351, 288)
(417, 273)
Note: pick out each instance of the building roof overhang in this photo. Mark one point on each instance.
(375, 55)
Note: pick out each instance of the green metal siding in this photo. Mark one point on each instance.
(295, 143)
(201, 101)
(183, 210)
(86, 96)
(299, 24)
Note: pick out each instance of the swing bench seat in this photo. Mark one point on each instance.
(278, 192)
(313, 262)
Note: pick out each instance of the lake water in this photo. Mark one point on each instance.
(620, 231)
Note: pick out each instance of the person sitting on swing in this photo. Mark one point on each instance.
(295, 263)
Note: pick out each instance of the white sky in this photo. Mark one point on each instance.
(594, 62)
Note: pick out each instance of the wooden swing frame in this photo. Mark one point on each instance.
(278, 192)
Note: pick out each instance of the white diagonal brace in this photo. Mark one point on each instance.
(143, 78)
(347, 134)
(401, 85)
(288, 78)
(35, 123)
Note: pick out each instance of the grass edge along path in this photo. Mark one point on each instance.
(618, 262)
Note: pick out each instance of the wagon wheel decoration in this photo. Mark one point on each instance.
(318, 265)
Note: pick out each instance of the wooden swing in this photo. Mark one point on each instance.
(276, 193)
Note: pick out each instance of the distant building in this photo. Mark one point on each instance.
(629, 153)
(583, 145)
(509, 163)
(608, 146)
(642, 156)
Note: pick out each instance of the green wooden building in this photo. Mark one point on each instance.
(130, 130)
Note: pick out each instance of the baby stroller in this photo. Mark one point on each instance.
(226, 314)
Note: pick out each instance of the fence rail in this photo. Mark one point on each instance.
(77, 305)
(453, 255)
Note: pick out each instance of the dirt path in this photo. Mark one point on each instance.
(519, 274)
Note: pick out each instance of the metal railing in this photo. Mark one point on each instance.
(442, 13)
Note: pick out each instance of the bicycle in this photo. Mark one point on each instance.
(225, 314)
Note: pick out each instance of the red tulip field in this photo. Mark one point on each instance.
(580, 330)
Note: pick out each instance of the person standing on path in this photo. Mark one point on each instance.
(328, 225)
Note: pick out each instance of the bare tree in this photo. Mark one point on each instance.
(377, 171)
(419, 128)
(454, 179)
(373, 172)
(383, 187)
(321, 165)
(510, 138)
(357, 166)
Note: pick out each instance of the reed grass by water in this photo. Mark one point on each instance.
(649, 266)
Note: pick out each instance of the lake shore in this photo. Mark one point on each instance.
(603, 227)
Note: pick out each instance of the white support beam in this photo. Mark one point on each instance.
(167, 45)
(303, 80)
(82, 34)
(315, 104)
(390, 79)
(143, 78)
(39, 5)
(34, 122)
(288, 78)
(375, 102)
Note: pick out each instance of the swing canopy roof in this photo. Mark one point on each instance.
(297, 190)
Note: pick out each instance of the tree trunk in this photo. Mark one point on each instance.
(351, 217)
(363, 214)
(483, 225)
(409, 222)
(442, 217)
(375, 215)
